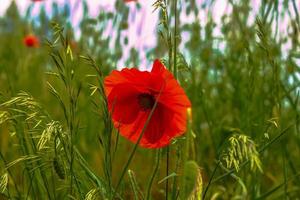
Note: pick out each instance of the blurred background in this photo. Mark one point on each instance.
(141, 33)
(238, 62)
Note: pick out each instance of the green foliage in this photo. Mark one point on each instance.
(241, 148)
(3, 182)
(57, 139)
(192, 181)
(134, 185)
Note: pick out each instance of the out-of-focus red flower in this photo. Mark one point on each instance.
(74, 46)
(127, 1)
(36, 0)
(131, 95)
(31, 41)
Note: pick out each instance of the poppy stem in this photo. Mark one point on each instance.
(157, 161)
(167, 173)
(136, 144)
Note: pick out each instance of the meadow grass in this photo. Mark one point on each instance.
(57, 139)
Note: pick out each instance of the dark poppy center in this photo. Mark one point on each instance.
(146, 101)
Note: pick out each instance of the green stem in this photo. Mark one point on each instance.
(157, 161)
(174, 40)
(10, 174)
(175, 191)
(262, 149)
(167, 173)
(136, 144)
(210, 180)
(175, 75)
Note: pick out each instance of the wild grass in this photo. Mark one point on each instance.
(57, 140)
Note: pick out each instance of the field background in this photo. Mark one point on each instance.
(238, 62)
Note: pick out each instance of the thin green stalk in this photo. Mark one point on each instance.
(136, 144)
(169, 35)
(175, 75)
(268, 193)
(89, 172)
(10, 174)
(108, 156)
(63, 61)
(284, 168)
(107, 144)
(25, 150)
(175, 192)
(175, 40)
(297, 13)
(71, 123)
(29, 187)
(292, 166)
(69, 160)
(157, 161)
(44, 178)
(210, 180)
(53, 184)
(95, 179)
(262, 149)
(167, 173)
(186, 151)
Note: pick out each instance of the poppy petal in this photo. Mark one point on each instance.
(140, 79)
(132, 130)
(157, 133)
(123, 103)
(156, 128)
(173, 95)
(160, 132)
(174, 98)
(124, 90)
(117, 77)
(153, 133)
(159, 69)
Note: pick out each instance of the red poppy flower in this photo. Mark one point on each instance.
(31, 41)
(131, 95)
